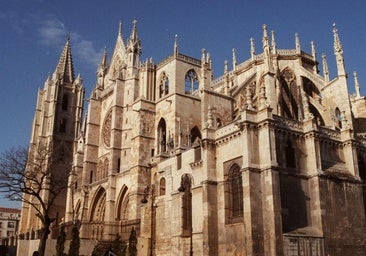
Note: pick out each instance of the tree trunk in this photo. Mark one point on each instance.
(43, 239)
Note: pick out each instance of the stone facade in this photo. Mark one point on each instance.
(267, 159)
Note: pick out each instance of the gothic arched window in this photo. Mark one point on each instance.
(191, 82)
(234, 195)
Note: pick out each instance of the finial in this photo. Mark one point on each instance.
(203, 57)
(265, 36)
(68, 37)
(338, 52)
(225, 66)
(325, 68)
(337, 43)
(252, 48)
(297, 43)
(234, 59)
(357, 85)
(273, 43)
(120, 28)
(313, 51)
(134, 22)
(175, 45)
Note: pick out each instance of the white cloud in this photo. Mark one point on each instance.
(53, 33)
(85, 50)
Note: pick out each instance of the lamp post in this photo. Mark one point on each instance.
(150, 191)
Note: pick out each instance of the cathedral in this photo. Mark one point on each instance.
(267, 159)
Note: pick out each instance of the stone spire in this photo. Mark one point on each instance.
(265, 39)
(297, 43)
(252, 48)
(273, 43)
(234, 59)
(325, 68)
(357, 85)
(313, 51)
(65, 68)
(120, 45)
(102, 68)
(266, 49)
(338, 52)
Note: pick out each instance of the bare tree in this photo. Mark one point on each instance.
(36, 178)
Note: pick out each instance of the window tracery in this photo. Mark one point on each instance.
(106, 130)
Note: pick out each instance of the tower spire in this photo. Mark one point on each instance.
(338, 52)
(65, 68)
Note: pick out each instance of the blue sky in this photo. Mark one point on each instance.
(33, 33)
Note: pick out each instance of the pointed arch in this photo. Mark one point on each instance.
(97, 209)
(122, 204)
(191, 82)
(161, 136)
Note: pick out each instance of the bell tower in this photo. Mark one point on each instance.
(56, 122)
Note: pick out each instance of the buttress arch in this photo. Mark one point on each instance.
(121, 211)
